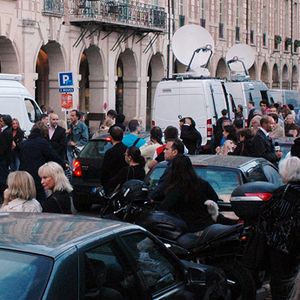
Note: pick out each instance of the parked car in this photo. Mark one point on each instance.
(46, 256)
(87, 171)
(225, 173)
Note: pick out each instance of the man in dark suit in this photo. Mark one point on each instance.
(57, 136)
(262, 144)
(6, 139)
(114, 158)
(251, 111)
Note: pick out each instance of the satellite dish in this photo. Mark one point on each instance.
(239, 55)
(193, 46)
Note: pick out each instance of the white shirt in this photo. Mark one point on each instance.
(19, 205)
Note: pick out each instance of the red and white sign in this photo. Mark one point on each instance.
(66, 101)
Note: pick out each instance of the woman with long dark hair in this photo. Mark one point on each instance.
(18, 136)
(134, 170)
(186, 195)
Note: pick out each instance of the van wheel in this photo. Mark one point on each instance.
(239, 279)
(81, 204)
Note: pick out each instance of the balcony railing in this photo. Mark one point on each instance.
(53, 8)
(123, 12)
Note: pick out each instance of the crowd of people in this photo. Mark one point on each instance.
(33, 169)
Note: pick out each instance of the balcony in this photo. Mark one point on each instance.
(53, 8)
(127, 14)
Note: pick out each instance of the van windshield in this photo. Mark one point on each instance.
(33, 111)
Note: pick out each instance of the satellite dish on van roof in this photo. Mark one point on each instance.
(240, 57)
(193, 46)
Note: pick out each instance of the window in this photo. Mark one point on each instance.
(95, 149)
(256, 174)
(23, 276)
(33, 111)
(158, 271)
(272, 175)
(223, 180)
(109, 274)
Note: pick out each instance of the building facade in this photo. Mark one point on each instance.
(118, 50)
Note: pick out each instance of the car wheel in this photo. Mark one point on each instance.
(81, 203)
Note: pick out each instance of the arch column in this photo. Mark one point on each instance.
(131, 87)
(97, 95)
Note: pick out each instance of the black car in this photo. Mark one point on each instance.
(87, 172)
(63, 257)
(225, 172)
(87, 169)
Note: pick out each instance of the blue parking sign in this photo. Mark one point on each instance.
(65, 79)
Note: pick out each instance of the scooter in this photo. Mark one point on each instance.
(217, 245)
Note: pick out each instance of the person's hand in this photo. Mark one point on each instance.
(71, 143)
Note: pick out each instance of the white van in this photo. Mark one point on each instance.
(16, 101)
(201, 99)
(244, 91)
(286, 97)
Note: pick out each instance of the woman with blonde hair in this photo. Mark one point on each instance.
(20, 194)
(57, 185)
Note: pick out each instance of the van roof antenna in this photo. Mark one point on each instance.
(234, 60)
(203, 49)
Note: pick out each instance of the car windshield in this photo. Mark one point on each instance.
(223, 180)
(95, 149)
(23, 276)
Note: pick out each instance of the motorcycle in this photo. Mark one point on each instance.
(217, 245)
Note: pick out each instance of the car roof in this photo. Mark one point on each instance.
(52, 234)
(228, 161)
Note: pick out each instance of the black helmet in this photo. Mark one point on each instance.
(134, 191)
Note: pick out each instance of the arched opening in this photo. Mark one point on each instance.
(91, 86)
(285, 77)
(221, 70)
(49, 62)
(42, 83)
(275, 77)
(155, 74)
(295, 79)
(119, 87)
(264, 74)
(127, 82)
(8, 57)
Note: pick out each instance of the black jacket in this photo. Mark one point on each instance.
(262, 146)
(192, 211)
(191, 138)
(59, 142)
(6, 139)
(59, 202)
(250, 116)
(18, 139)
(125, 174)
(34, 152)
(295, 149)
(113, 162)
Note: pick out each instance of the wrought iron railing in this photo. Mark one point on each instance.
(120, 11)
(53, 7)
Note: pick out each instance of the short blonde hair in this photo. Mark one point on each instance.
(21, 185)
(54, 170)
(289, 169)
